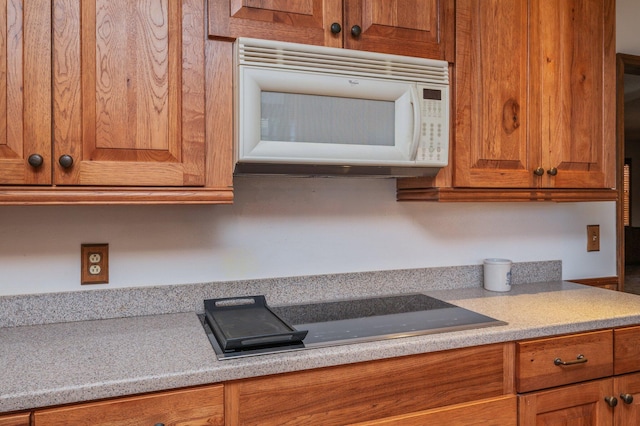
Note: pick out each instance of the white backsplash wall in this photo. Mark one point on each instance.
(289, 227)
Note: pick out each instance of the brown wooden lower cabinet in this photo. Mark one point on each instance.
(609, 283)
(613, 401)
(372, 390)
(627, 390)
(580, 404)
(200, 406)
(610, 357)
(15, 419)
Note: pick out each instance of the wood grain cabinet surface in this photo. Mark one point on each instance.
(22, 419)
(500, 411)
(555, 361)
(626, 389)
(25, 92)
(534, 103)
(374, 390)
(422, 28)
(202, 406)
(627, 349)
(114, 103)
(580, 404)
(614, 399)
(626, 383)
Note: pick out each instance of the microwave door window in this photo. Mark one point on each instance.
(302, 118)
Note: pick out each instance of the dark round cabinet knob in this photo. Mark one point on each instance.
(65, 161)
(336, 28)
(159, 424)
(552, 171)
(612, 401)
(356, 31)
(35, 160)
(539, 171)
(627, 398)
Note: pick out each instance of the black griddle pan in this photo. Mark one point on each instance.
(247, 322)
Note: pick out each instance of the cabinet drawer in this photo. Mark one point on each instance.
(15, 420)
(195, 406)
(367, 391)
(586, 356)
(626, 350)
(501, 411)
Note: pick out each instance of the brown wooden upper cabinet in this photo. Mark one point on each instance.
(534, 98)
(536, 108)
(25, 92)
(423, 28)
(114, 98)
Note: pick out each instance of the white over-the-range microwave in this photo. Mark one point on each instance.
(314, 110)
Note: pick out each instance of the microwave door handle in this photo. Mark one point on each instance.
(415, 102)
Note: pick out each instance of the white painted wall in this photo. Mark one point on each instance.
(291, 226)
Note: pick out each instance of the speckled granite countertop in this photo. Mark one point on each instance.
(52, 364)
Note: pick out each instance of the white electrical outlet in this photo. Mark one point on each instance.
(94, 263)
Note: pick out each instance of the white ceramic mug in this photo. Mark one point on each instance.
(497, 274)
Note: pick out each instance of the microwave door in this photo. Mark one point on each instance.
(295, 117)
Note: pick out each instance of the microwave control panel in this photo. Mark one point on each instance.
(433, 146)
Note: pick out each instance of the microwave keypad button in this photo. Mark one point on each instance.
(432, 109)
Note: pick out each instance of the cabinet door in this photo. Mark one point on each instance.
(302, 21)
(573, 91)
(15, 420)
(25, 91)
(195, 407)
(405, 27)
(628, 410)
(581, 404)
(128, 92)
(491, 142)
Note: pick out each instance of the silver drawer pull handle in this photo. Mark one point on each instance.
(579, 360)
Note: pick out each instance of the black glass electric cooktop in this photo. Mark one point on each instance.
(335, 323)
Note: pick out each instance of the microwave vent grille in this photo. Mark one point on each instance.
(293, 56)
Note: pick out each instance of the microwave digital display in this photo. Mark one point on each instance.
(432, 94)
